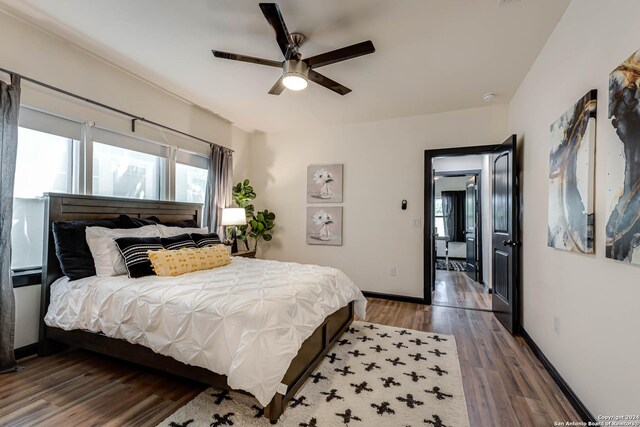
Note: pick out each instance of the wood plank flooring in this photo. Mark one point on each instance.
(503, 381)
(456, 289)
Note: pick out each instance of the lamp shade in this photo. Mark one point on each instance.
(233, 216)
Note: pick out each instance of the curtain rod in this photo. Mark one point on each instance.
(133, 117)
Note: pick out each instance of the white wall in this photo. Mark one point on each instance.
(596, 299)
(383, 164)
(36, 54)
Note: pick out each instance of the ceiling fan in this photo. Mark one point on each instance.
(295, 70)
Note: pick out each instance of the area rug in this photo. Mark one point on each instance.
(453, 265)
(374, 376)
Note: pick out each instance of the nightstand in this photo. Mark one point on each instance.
(245, 254)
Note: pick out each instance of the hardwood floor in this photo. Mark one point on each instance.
(456, 289)
(503, 381)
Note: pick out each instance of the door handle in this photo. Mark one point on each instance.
(511, 243)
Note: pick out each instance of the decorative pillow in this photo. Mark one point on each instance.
(134, 251)
(188, 223)
(182, 261)
(174, 231)
(204, 240)
(106, 256)
(133, 222)
(71, 245)
(180, 241)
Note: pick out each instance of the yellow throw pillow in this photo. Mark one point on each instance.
(187, 260)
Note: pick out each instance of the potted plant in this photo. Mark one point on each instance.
(259, 224)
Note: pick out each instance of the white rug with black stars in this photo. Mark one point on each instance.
(375, 375)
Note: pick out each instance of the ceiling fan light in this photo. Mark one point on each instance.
(295, 74)
(294, 82)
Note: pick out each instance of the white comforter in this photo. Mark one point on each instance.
(246, 320)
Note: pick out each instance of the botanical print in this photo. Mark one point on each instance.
(324, 226)
(623, 195)
(571, 177)
(324, 183)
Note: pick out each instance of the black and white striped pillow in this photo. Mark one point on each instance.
(134, 251)
(204, 240)
(180, 241)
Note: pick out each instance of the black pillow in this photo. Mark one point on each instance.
(187, 223)
(134, 251)
(136, 222)
(203, 240)
(180, 241)
(71, 246)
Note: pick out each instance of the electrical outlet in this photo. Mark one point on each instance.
(392, 271)
(556, 324)
(416, 222)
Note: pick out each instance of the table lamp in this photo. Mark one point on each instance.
(233, 217)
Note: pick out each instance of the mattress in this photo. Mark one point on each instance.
(246, 320)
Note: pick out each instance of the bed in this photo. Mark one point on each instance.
(256, 326)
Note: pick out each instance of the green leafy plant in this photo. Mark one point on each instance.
(261, 225)
(243, 195)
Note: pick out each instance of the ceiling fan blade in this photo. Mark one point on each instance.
(244, 58)
(343, 54)
(271, 11)
(277, 88)
(328, 83)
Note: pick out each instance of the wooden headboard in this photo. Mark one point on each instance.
(70, 207)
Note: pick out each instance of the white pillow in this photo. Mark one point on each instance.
(176, 231)
(106, 256)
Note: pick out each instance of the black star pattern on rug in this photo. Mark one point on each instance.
(437, 422)
(437, 352)
(317, 377)
(418, 342)
(364, 338)
(399, 345)
(345, 371)
(259, 411)
(404, 332)
(378, 349)
(332, 395)
(383, 408)
(371, 327)
(224, 420)
(396, 361)
(417, 357)
(348, 416)
(385, 335)
(439, 371)
(356, 353)
(371, 366)
(359, 388)
(332, 357)
(221, 397)
(410, 401)
(299, 401)
(312, 423)
(438, 338)
(389, 381)
(344, 342)
(415, 377)
(353, 330)
(184, 424)
(439, 394)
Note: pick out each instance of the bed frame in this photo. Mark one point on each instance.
(67, 207)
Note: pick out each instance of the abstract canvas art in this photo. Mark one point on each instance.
(571, 177)
(623, 185)
(324, 183)
(324, 225)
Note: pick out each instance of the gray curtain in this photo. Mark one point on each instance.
(453, 205)
(218, 194)
(9, 106)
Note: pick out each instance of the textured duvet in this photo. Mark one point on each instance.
(246, 320)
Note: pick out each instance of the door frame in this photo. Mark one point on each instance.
(428, 240)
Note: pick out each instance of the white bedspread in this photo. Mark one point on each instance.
(246, 320)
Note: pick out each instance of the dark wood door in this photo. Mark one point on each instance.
(471, 228)
(505, 248)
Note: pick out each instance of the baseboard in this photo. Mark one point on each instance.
(573, 399)
(487, 288)
(27, 350)
(392, 297)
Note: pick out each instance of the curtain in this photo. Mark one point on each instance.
(9, 106)
(453, 203)
(218, 194)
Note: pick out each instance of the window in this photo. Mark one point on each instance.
(44, 164)
(126, 173)
(191, 183)
(439, 218)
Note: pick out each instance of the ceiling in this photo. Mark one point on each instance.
(431, 55)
